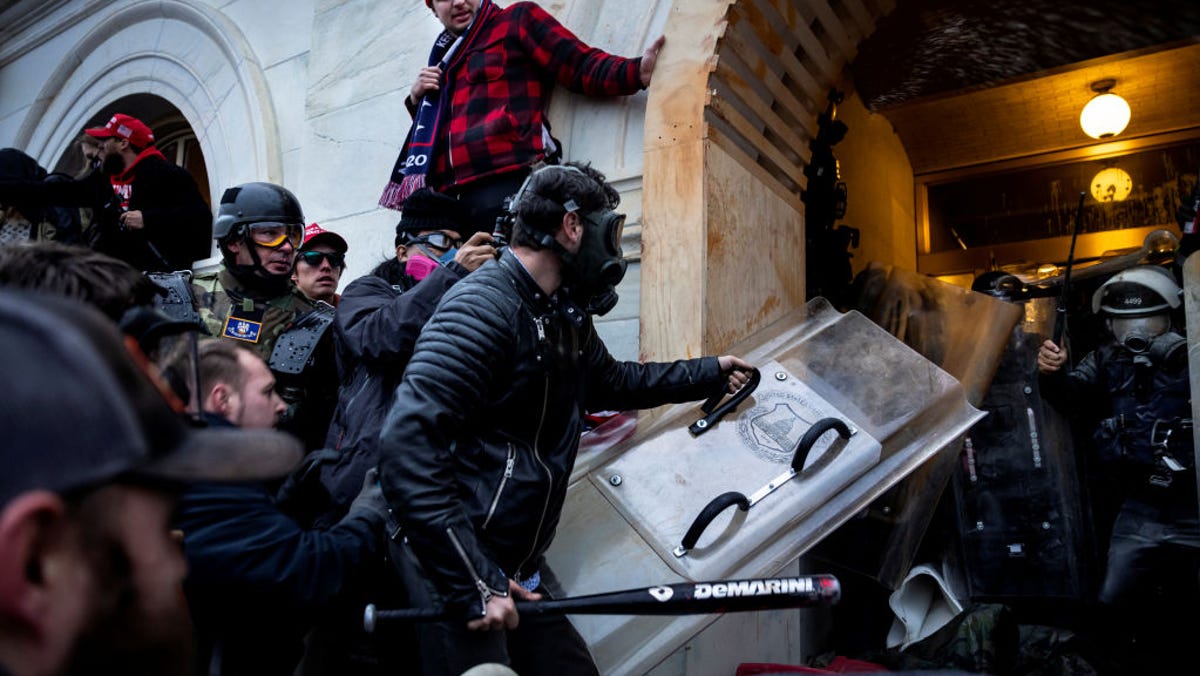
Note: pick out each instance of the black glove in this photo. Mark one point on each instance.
(369, 503)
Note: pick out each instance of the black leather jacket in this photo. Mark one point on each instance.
(479, 445)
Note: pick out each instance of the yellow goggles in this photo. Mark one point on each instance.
(274, 235)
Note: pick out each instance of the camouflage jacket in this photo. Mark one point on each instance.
(231, 311)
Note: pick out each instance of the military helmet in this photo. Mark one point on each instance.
(256, 203)
(1138, 291)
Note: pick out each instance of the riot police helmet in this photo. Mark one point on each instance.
(1138, 292)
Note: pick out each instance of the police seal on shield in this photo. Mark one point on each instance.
(773, 427)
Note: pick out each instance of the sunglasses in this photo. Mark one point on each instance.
(274, 235)
(314, 258)
(437, 240)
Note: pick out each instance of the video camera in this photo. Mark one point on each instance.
(502, 232)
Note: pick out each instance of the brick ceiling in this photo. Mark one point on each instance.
(967, 83)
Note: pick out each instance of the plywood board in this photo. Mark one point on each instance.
(674, 245)
(755, 270)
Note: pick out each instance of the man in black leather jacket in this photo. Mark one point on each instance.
(479, 445)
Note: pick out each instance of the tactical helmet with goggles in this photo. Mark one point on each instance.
(266, 214)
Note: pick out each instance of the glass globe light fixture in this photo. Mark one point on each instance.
(1107, 114)
(1111, 185)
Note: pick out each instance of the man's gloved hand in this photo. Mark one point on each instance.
(370, 503)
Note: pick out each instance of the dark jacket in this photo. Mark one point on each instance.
(1127, 400)
(178, 223)
(256, 580)
(478, 448)
(375, 329)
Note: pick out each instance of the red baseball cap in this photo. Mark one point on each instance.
(126, 127)
(315, 234)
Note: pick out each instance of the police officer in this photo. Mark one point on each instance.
(252, 299)
(1137, 383)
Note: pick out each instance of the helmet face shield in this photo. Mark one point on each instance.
(178, 360)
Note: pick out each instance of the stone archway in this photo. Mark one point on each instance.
(183, 52)
(728, 122)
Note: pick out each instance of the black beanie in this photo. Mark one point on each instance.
(427, 209)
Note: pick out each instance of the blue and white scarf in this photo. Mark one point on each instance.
(408, 174)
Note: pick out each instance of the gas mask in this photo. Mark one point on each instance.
(1148, 339)
(592, 273)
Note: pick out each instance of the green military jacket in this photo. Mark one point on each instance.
(230, 311)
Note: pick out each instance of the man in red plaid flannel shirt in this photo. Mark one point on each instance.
(495, 127)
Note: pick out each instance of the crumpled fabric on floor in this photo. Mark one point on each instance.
(986, 638)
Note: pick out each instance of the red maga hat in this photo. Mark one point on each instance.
(315, 234)
(126, 127)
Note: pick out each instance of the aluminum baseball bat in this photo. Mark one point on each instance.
(688, 598)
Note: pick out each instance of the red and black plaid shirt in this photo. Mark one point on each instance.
(500, 87)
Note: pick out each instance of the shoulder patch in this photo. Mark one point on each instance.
(242, 329)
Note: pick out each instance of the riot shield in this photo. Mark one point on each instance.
(1191, 304)
(1022, 520)
(964, 333)
(634, 501)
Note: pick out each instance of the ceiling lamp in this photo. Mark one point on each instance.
(1111, 185)
(1107, 114)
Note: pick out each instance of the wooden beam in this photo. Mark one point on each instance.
(739, 41)
(753, 136)
(866, 25)
(760, 108)
(674, 233)
(834, 27)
